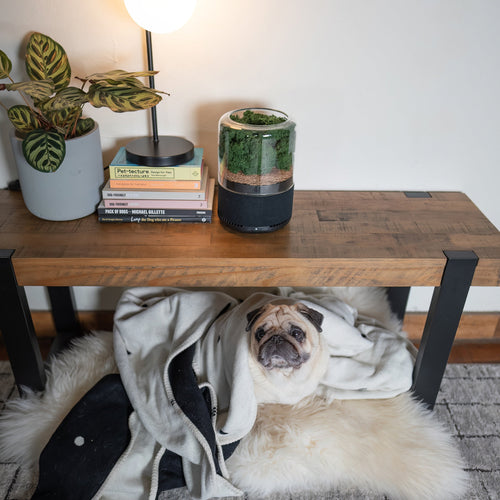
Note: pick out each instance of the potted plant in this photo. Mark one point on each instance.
(256, 153)
(57, 150)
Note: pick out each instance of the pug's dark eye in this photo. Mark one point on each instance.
(260, 332)
(297, 333)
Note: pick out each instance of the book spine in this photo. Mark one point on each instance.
(154, 212)
(141, 219)
(155, 173)
(138, 203)
(153, 184)
(152, 195)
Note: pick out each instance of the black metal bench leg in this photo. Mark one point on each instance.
(17, 329)
(65, 319)
(442, 322)
(398, 299)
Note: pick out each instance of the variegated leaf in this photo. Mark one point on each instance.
(118, 74)
(47, 60)
(44, 150)
(123, 80)
(39, 90)
(126, 82)
(122, 99)
(23, 118)
(69, 97)
(84, 126)
(5, 65)
(64, 120)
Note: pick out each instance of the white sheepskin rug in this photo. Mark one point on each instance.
(393, 446)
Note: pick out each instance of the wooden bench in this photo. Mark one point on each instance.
(335, 238)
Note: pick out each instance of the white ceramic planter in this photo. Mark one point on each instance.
(73, 190)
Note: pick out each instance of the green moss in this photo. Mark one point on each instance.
(251, 118)
(255, 152)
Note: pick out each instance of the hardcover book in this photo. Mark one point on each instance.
(153, 184)
(154, 192)
(152, 203)
(121, 168)
(156, 212)
(148, 218)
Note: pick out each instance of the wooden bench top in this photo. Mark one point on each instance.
(335, 238)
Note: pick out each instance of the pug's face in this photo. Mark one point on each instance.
(287, 352)
(283, 335)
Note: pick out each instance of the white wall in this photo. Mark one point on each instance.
(387, 94)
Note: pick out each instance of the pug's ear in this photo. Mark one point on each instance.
(252, 317)
(315, 317)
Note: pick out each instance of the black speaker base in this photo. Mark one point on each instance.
(255, 214)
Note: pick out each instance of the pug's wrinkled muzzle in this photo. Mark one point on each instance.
(278, 352)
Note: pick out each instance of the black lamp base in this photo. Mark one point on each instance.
(168, 151)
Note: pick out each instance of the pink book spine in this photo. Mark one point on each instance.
(112, 203)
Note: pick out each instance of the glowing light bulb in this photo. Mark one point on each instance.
(160, 16)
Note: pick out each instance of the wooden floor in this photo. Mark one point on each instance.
(475, 352)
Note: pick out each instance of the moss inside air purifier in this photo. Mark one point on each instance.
(256, 150)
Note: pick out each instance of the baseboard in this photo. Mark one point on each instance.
(90, 320)
(473, 326)
(478, 337)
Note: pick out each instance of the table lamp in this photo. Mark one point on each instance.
(159, 16)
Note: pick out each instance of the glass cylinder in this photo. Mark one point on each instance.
(256, 153)
(256, 150)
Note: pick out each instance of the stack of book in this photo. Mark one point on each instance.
(137, 193)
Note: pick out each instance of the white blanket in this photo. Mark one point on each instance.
(154, 325)
(367, 360)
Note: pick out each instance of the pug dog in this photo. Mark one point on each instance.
(311, 444)
(288, 355)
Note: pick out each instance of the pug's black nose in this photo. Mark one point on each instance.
(276, 339)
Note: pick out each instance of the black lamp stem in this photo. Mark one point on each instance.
(161, 151)
(149, 48)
